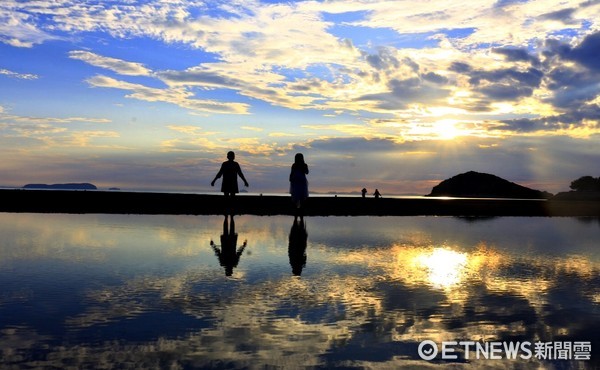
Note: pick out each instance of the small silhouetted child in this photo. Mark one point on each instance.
(230, 170)
(377, 194)
(364, 192)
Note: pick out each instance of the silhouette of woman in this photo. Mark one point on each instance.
(297, 246)
(228, 256)
(298, 181)
(230, 170)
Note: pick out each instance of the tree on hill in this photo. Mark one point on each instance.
(586, 183)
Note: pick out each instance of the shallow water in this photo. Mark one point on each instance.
(133, 291)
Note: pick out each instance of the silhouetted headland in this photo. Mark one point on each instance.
(122, 202)
(585, 188)
(482, 185)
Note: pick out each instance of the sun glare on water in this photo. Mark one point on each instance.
(445, 268)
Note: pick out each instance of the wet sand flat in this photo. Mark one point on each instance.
(120, 202)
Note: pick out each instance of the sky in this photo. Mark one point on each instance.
(394, 95)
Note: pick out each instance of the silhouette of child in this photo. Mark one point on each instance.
(298, 181)
(377, 194)
(230, 170)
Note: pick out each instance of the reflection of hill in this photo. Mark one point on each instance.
(483, 185)
(578, 195)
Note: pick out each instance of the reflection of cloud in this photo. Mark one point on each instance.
(55, 238)
(365, 302)
(291, 321)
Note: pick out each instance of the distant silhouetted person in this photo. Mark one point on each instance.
(364, 192)
(377, 194)
(298, 181)
(297, 246)
(229, 257)
(230, 170)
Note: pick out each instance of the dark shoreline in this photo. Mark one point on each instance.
(118, 202)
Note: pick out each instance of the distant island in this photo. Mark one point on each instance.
(68, 186)
(483, 185)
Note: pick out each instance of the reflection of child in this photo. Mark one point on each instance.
(229, 257)
(298, 181)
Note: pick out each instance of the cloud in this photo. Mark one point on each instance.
(482, 64)
(21, 76)
(531, 77)
(119, 66)
(564, 15)
(404, 92)
(28, 135)
(252, 128)
(178, 96)
(50, 120)
(517, 55)
(587, 53)
(18, 28)
(585, 117)
(383, 60)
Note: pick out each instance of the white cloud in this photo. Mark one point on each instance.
(289, 55)
(22, 76)
(178, 96)
(117, 65)
(4, 116)
(19, 29)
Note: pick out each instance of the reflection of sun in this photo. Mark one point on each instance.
(445, 267)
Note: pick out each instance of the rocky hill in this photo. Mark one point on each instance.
(483, 185)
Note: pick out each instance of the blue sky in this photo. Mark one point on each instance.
(397, 95)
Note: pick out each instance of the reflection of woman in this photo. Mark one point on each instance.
(297, 246)
(228, 256)
(298, 182)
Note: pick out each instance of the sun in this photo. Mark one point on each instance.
(446, 129)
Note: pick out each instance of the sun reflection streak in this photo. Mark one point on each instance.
(445, 268)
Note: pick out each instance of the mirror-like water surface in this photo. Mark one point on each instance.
(132, 291)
